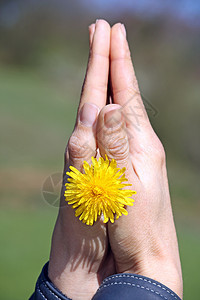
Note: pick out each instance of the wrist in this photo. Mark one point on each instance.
(76, 284)
(74, 264)
(163, 271)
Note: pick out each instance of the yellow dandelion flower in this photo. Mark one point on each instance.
(98, 191)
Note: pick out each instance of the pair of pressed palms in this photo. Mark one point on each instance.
(144, 241)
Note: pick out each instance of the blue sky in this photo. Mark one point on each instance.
(187, 10)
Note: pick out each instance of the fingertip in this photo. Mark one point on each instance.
(123, 29)
(118, 31)
(91, 32)
(119, 28)
(116, 26)
(103, 30)
(91, 27)
(102, 23)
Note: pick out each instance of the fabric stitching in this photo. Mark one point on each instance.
(41, 293)
(140, 278)
(132, 284)
(53, 292)
(117, 283)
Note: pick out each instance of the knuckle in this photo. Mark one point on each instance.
(80, 147)
(159, 151)
(98, 88)
(75, 148)
(117, 147)
(132, 89)
(135, 85)
(152, 149)
(73, 144)
(97, 55)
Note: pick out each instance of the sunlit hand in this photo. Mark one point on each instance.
(79, 259)
(144, 242)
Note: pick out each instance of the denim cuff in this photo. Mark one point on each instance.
(132, 286)
(119, 286)
(45, 289)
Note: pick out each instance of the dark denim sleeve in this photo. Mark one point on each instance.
(45, 289)
(118, 286)
(133, 286)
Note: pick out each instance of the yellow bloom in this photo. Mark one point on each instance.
(98, 190)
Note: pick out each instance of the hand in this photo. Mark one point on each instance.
(79, 253)
(144, 242)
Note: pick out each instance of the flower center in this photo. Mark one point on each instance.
(97, 191)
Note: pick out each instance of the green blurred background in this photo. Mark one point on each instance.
(43, 55)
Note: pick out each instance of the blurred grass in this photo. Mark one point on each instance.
(37, 113)
(25, 244)
(189, 245)
(36, 118)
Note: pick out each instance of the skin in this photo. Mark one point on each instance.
(144, 242)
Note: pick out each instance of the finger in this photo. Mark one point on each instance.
(82, 144)
(112, 138)
(143, 142)
(124, 82)
(96, 80)
(91, 33)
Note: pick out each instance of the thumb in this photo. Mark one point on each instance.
(82, 143)
(111, 135)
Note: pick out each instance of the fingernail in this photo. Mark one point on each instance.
(123, 29)
(96, 21)
(88, 114)
(112, 118)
